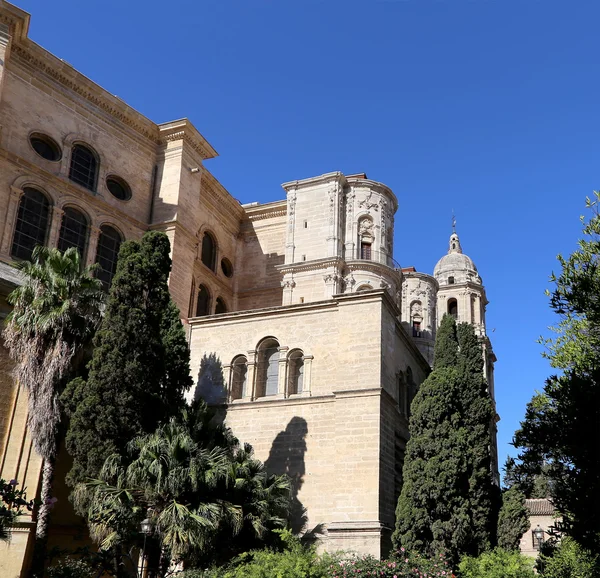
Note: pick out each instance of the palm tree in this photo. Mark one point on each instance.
(55, 314)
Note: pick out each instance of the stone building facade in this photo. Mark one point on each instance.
(322, 336)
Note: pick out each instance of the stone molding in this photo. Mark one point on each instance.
(266, 211)
(185, 131)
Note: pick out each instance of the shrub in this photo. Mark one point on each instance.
(497, 564)
(569, 560)
(400, 565)
(71, 568)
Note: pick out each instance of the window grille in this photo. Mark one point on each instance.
(107, 253)
(31, 227)
(84, 167)
(73, 231)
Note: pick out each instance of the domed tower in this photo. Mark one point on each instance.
(461, 293)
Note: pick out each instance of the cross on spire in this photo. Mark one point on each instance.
(453, 222)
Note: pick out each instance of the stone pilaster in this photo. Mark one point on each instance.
(282, 375)
(92, 246)
(57, 215)
(10, 220)
(250, 394)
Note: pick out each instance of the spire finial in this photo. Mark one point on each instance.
(453, 222)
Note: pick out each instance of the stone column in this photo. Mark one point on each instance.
(4, 52)
(307, 373)
(250, 376)
(11, 219)
(227, 381)
(282, 375)
(57, 214)
(92, 245)
(291, 218)
(335, 205)
(288, 285)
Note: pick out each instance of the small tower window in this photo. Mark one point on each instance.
(416, 329)
(209, 251)
(84, 167)
(450, 280)
(453, 308)
(202, 302)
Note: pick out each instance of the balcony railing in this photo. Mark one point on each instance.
(376, 256)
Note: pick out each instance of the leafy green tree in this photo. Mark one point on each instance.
(560, 429)
(513, 520)
(497, 564)
(447, 502)
(569, 560)
(197, 486)
(140, 365)
(55, 314)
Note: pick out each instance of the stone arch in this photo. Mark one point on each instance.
(363, 287)
(239, 377)
(366, 237)
(267, 378)
(295, 381)
(208, 249)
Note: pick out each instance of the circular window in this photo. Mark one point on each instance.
(44, 146)
(118, 188)
(226, 267)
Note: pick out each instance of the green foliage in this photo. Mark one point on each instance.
(560, 425)
(71, 568)
(203, 493)
(140, 365)
(448, 501)
(446, 344)
(569, 560)
(513, 520)
(13, 503)
(295, 561)
(497, 564)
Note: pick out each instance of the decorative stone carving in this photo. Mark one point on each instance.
(365, 228)
(416, 310)
(290, 284)
(367, 204)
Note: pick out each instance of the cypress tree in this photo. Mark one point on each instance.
(447, 500)
(513, 520)
(140, 364)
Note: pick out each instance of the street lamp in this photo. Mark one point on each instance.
(538, 537)
(146, 528)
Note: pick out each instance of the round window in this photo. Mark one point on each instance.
(118, 188)
(226, 267)
(44, 146)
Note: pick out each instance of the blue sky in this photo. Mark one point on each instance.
(489, 108)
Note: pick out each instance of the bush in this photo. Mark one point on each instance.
(569, 560)
(295, 561)
(497, 564)
(400, 565)
(71, 568)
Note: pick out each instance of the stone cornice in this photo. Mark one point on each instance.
(374, 267)
(185, 131)
(16, 19)
(313, 265)
(219, 197)
(311, 181)
(266, 211)
(419, 275)
(377, 186)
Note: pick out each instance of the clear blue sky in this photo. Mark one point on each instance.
(489, 108)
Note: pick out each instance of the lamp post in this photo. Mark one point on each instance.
(538, 536)
(146, 528)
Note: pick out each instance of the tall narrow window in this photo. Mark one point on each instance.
(209, 251)
(73, 231)
(31, 228)
(202, 302)
(239, 374)
(220, 306)
(365, 250)
(192, 297)
(107, 253)
(84, 167)
(453, 308)
(295, 372)
(268, 368)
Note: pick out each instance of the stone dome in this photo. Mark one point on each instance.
(455, 267)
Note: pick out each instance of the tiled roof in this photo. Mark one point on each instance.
(539, 507)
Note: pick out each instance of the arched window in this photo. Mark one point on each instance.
(202, 302)
(239, 374)
(295, 372)
(84, 167)
(220, 306)
(416, 317)
(450, 280)
(209, 251)
(453, 308)
(411, 389)
(402, 394)
(107, 253)
(192, 297)
(73, 231)
(268, 368)
(31, 228)
(366, 238)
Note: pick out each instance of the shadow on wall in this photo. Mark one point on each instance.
(287, 457)
(211, 384)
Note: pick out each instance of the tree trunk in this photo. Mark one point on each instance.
(43, 520)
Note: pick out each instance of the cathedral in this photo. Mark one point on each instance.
(322, 338)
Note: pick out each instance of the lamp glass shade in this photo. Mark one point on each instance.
(146, 526)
